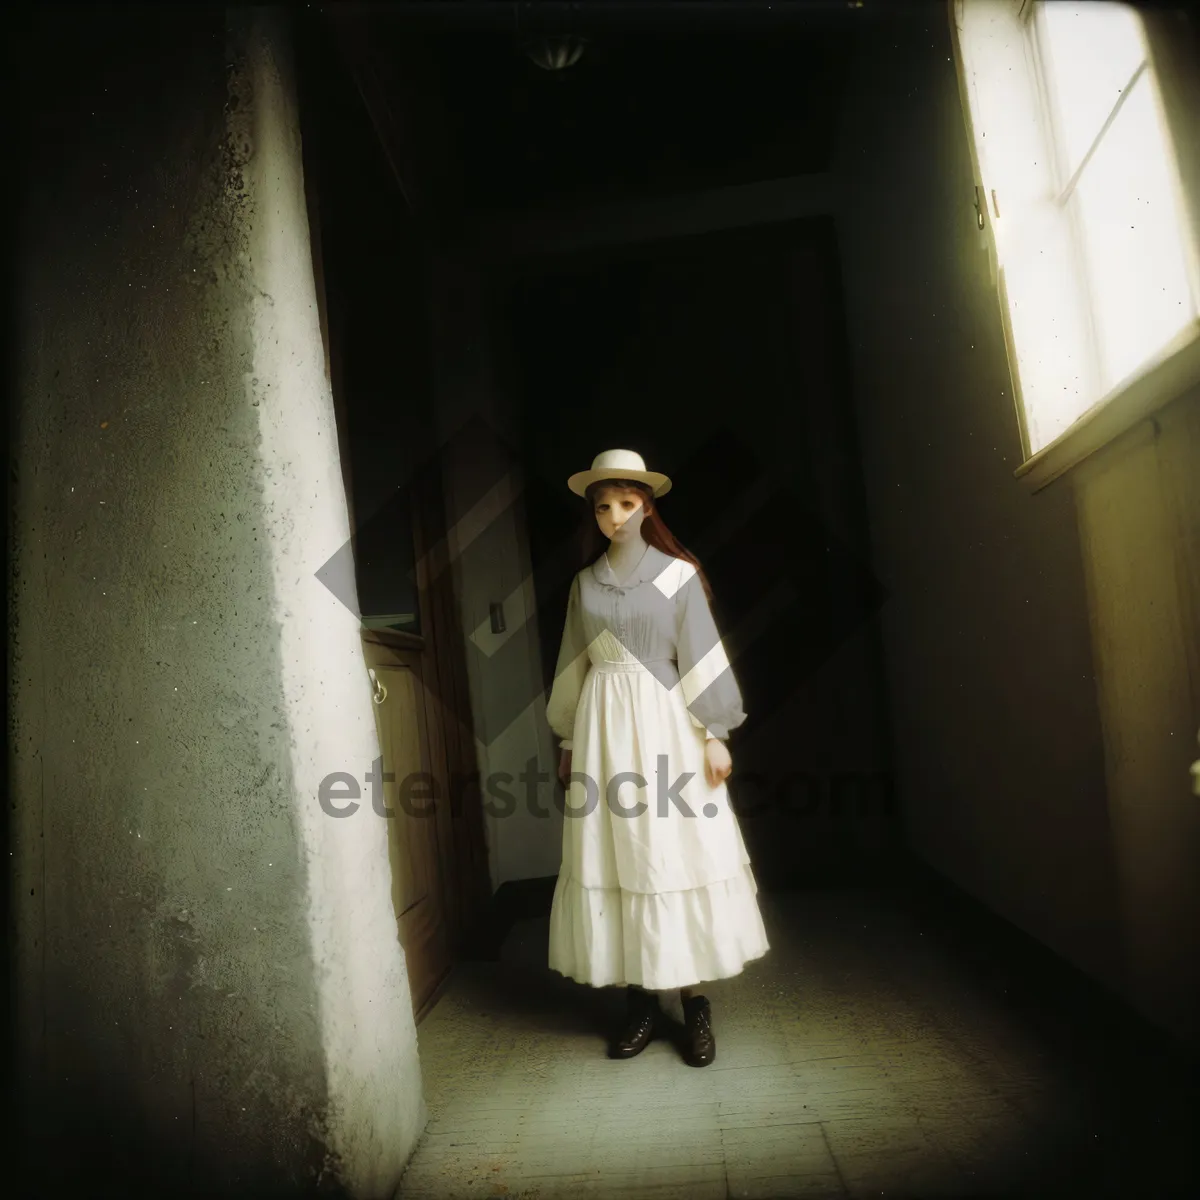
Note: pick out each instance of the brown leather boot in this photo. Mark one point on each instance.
(700, 1046)
(642, 1022)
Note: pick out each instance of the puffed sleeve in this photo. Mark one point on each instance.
(570, 671)
(710, 689)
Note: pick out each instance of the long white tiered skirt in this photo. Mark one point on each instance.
(688, 911)
(658, 940)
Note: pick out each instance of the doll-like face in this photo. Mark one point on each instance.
(619, 512)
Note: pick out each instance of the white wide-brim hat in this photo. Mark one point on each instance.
(619, 464)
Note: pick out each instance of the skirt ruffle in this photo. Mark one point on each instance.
(656, 940)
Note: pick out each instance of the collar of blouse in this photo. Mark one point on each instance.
(654, 561)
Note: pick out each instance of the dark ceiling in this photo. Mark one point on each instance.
(645, 112)
(638, 116)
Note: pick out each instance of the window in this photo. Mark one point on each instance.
(1090, 231)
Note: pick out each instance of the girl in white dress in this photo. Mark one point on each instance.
(655, 891)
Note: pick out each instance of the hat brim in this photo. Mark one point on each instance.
(579, 482)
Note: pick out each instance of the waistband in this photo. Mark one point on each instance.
(653, 665)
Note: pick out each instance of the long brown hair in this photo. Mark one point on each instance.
(654, 529)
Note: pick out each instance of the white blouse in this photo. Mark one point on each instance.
(661, 617)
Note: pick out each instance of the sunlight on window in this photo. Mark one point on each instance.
(1050, 334)
(1132, 232)
(1091, 52)
(1086, 209)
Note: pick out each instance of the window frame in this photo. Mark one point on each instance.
(1054, 143)
(1175, 370)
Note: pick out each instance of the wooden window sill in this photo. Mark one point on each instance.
(1176, 372)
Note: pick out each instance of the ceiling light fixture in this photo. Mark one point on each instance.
(555, 52)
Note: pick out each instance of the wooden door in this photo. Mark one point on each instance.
(441, 879)
(410, 787)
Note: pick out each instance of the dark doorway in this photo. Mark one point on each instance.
(722, 360)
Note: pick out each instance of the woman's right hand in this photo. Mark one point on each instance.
(564, 766)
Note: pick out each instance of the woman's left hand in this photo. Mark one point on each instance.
(717, 763)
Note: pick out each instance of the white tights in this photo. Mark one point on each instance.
(685, 993)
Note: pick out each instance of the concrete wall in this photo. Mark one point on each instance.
(1009, 637)
(211, 996)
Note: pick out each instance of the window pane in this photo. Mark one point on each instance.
(1090, 52)
(1054, 361)
(1134, 237)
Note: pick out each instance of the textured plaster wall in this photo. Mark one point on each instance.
(210, 989)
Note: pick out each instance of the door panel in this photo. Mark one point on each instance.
(465, 872)
(415, 848)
